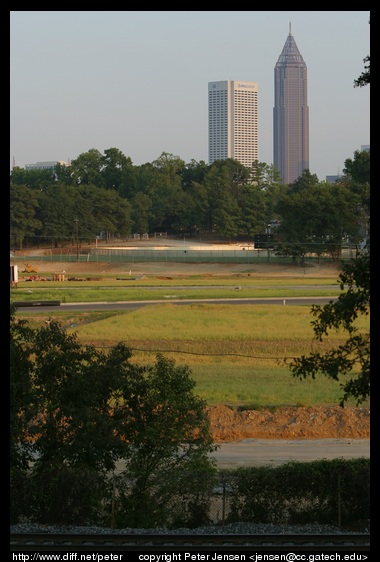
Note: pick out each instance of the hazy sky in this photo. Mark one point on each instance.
(138, 81)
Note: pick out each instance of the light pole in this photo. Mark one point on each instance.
(76, 230)
(268, 234)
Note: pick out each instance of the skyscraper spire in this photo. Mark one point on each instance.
(290, 28)
(290, 52)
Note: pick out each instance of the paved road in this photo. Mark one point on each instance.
(273, 452)
(133, 305)
(259, 452)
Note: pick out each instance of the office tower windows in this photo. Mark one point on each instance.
(233, 121)
(290, 113)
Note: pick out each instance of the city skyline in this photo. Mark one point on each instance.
(137, 81)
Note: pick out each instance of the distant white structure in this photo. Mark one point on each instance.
(46, 165)
(233, 121)
(14, 274)
(333, 179)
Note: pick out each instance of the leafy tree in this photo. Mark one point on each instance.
(226, 212)
(352, 358)
(21, 391)
(21, 412)
(102, 209)
(200, 206)
(356, 176)
(23, 218)
(144, 177)
(315, 217)
(36, 179)
(365, 77)
(306, 181)
(222, 182)
(264, 175)
(141, 205)
(87, 168)
(59, 207)
(358, 168)
(253, 209)
(116, 169)
(169, 169)
(169, 438)
(18, 176)
(179, 211)
(63, 173)
(165, 191)
(259, 172)
(78, 410)
(74, 389)
(193, 172)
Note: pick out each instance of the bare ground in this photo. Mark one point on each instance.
(261, 269)
(315, 422)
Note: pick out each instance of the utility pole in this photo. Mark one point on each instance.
(76, 224)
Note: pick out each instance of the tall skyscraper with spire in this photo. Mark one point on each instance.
(290, 113)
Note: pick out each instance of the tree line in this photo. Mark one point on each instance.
(106, 193)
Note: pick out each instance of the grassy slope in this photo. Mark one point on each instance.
(236, 355)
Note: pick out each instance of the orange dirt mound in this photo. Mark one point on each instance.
(315, 422)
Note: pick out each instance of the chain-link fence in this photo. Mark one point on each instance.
(120, 255)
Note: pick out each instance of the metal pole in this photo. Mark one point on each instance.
(76, 222)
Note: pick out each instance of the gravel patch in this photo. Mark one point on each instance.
(231, 529)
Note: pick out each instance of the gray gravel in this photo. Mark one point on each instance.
(231, 529)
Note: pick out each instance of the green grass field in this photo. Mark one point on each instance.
(189, 287)
(237, 354)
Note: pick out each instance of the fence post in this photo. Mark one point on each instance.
(339, 502)
(113, 503)
(224, 503)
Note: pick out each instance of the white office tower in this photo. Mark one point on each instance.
(233, 121)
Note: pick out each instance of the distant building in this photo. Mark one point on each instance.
(333, 179)
(290, 113)
(233, 121)
(46, 165)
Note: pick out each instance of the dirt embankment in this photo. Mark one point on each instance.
(315, 422)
